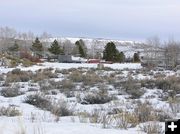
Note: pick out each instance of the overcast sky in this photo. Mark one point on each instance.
(117, 19)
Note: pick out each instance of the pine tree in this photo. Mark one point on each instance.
(55, 48)
(136, 57)
(120, 57)
(37, 45)
(81, 48)
(110, 53)
(14, 48)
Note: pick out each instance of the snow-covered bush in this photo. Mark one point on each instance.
(145, 112)
(148, 83)
(91, 78)
(43, 74)
(63, 71)
(66, 84)
(95, 116)
(76, 76)
(9, 111)
(1, 77)
(11, 91)
(39, 100)
(83, 117)
(97, 97)
(162, 115)
(46, 86)
(174, 104)
(125, 120)
(61, 108)
(133, 88)
(152, 128)
(168, 83)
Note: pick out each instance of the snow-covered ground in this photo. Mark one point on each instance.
(34, 120)
(73, 65)
(18, 126)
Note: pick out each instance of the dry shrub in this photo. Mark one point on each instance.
(133, 87)
(97, 97)
(145, 112)
(63, 71)
(126, 120)
(17, 75)
(26, 55)
(169, 83)
(174, 104)
(64, 86)
(51, 83)
(112, 81)
(46, 86)
(61, 108)
(9, 111)
(11, 91)
(95, 116)
(69, 94)
(162, 115)
(83, 117)
(164, 83)
(152, 128)
(27, 63)
(148, 83)
(1, 77)
(39, 100)
(107, 69)
(44, 74)
(76, 76)
(159, 75)
(67, 84)
(91, 78)
(49, 73)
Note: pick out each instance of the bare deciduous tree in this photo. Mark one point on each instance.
(153, 52)
(6, 32)
(67, 47)
(7, 37)
(45, 35)
(172, 53)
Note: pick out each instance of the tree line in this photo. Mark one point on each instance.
(110, 52)
(11, 33)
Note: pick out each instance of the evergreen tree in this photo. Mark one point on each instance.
(81, 48)
(37, 45)
(136, 57)
(15, 47)
(55, 48)
(110, 53)
(120, 57)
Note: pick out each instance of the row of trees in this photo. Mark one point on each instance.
(79, 48)
(165, 54)
(55, 48)
(110, 52)
(11, 33)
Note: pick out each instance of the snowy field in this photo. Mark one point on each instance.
(73, 65)
(70, 85)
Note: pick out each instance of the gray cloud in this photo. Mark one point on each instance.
(94, 18)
